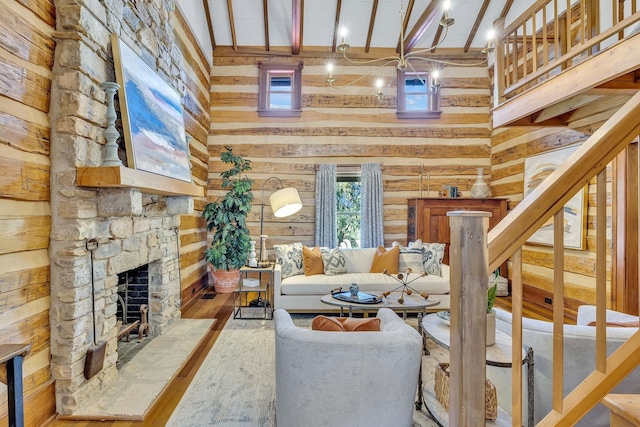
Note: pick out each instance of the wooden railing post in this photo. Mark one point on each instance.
(468, 257)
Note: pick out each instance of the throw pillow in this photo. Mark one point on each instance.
(312, 261)
(410, 258)
(385, 260)
(290, 259)
(432, 254)
(334, 262)
(346, 324)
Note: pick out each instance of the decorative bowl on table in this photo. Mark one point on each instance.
(444, 316)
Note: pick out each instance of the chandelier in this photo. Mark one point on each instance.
(404, 59)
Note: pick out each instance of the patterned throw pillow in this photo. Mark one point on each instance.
(432, 255)
(410, 258)
(290, 259)
(334, 262)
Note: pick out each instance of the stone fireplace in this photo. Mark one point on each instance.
(131, 228)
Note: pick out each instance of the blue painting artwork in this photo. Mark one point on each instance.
(152, 117)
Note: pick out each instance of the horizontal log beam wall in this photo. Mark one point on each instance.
(510, 147)
(347, 126)
(26, 59)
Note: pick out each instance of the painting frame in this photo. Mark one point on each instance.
(152, 116)
(536, 168)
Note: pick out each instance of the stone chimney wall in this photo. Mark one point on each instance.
(131, 229)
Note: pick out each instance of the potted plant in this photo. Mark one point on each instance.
(226, 217)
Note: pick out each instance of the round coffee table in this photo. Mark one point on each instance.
(413, 302)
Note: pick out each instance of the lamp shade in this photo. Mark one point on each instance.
(285, 202)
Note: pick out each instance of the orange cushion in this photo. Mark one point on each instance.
(312, 261)
(385, 259)
(346, 324)
(325, 323)
(617, 324)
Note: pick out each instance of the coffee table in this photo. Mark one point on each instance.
(498, 355)
(413, 302)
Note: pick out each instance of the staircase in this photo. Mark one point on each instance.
(539, 79)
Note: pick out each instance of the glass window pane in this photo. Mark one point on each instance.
(280, 83)
(348, 194)
(415, 85)
(417, 102)
(280, 101)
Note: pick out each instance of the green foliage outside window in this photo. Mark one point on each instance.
(348, 206)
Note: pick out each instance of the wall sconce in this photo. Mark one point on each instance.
(284, 202)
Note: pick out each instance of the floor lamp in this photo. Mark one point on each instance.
(284, 202)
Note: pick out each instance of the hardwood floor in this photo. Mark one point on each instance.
(221, 308)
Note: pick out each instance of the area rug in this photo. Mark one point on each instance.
(235, 386)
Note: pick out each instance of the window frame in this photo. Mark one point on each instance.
(264, 78)
(433, 112)
(349, 175)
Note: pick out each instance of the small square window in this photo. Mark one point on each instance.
(279, 90)
(418, 98)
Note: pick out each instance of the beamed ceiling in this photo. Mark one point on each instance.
(296, 27)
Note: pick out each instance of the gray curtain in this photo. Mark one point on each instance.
(371, 218)
(326, 206)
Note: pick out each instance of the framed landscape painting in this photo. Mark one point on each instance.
(152, 117)
(536, 169)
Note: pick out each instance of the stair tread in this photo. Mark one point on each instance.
(625, 405)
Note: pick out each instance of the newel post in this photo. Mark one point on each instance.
(468, 259)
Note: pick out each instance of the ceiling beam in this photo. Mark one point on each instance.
(336, 27)
(437, 35)
(506, 9)
(476, 25)
(372, 21)
(232, 25)
(297, 10)
(265, 9)
(431, 12)
(207, 13)
(405, 23)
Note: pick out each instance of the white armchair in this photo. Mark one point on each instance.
(579, 359)
(346, 378)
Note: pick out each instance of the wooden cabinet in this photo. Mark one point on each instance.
(427, 218)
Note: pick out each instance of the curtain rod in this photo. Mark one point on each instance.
(349, 165)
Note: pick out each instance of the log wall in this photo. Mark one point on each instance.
(193, 233)
(26, 59)
(510, 146)
(347, 126)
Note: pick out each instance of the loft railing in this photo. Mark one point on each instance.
(555, 35)
(506, 239)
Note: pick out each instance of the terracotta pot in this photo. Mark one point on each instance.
(224, 281)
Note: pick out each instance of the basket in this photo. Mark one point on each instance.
(441, 388)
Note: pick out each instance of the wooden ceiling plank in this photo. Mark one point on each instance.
(207, 13)
(296, 26)
(232, 24)
(336, 27)
(265, 9)
(476, 25)
(372, 21)
(430, 14)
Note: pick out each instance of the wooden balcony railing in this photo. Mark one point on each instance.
(555, 35)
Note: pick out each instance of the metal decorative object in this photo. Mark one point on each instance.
(404, 281)
(111, 134)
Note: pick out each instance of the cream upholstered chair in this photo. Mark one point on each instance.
(579, 359)
(346, 378)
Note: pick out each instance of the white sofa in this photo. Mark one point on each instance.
(303, 293)
(579, 360)
(346, 378)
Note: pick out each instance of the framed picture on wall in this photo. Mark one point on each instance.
(152, 117)
(536, 169)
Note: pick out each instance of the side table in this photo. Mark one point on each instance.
(11, 355)
(498, 355)
(263, 288)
